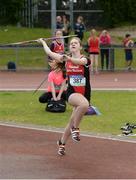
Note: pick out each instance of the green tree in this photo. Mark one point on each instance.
(117, 12)
(11, 10)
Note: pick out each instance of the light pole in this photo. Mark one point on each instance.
(53, 16)
(71, 13)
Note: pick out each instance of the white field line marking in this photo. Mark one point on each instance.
(115, 138)
(21, 89)
(94, 89)
(122, 135)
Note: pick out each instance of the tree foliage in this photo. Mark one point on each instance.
(117, 12)
(10, 10)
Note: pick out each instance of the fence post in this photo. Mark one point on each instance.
(53, 16)
(17, 56)
(111, 58)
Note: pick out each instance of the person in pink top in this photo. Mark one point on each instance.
(93, 44)
(56, 79)
(56, 84)
(105, 40)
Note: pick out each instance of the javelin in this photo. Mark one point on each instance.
(40, 84)
(35, 40)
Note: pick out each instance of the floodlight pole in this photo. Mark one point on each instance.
(53, 16)
(71, 13)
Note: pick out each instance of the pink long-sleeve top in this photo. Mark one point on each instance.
(105, 40)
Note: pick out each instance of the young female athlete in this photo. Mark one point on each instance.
(57, 45)
(78, 90)
(93, 44)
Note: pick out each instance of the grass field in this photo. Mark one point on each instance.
(117, 108)
(24, 57)
(36, 58)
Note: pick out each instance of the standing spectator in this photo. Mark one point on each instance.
(105, 40)
(59, 23)
(128, 43)
(79, 28)
(93, 44)
(57, 45)
(66, 28)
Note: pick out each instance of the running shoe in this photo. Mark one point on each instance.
(126, 127)
(127, 132)
(61, 150)
(75, 134)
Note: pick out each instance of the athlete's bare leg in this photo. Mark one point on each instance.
(80, 104)
(96, 63)
(67, 131)
(92, 62)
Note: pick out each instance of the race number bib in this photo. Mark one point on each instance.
(77, 80)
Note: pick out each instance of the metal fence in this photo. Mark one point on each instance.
(25, 57)
(34, 58)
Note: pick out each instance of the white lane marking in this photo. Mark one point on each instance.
(98, 136)
(94, 89)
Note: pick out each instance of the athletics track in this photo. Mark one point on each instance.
(30, 153)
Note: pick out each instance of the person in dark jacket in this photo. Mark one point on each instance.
(79, 28)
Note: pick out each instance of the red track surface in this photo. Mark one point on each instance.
(31, 80)
(33, 154)
(26, 153)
